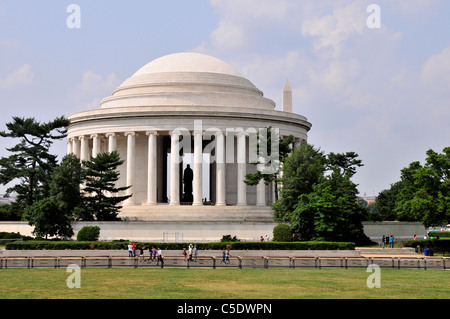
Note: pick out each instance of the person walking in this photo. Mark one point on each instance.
(227, 256)
(159, 257)
(224, 253)
(391, 241)
(184, 253)
(386, 240)
(195, 251)
(190, 252)
(150, 251)
(134, 249)
(130, 250)
(141, 252)
(382, 241)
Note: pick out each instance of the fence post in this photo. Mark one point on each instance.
(214, 262)
(240, 262)
(425, 263)
(109, 262)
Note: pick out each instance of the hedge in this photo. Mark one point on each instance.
(441, 234)
(123, 245)
(436, 244)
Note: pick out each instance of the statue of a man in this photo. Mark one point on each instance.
(188, 177)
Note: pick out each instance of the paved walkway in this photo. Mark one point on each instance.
(358, 252)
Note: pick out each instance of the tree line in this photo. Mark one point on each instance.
(422, 193)
(51, 195)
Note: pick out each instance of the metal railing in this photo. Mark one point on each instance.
(233, 262)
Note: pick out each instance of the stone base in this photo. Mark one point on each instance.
(189, 213)
(189, 223)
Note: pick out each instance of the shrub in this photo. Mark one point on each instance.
(282, 233)
(228, 238)
(88, 233)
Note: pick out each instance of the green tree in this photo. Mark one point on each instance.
(321, 201)
(425, 195)
(30, 163)
(301, 171)
(100, 187)
(65, 187)
(48, 219)
(386, 201)
(264, 145)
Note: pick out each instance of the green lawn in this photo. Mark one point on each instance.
(306, 283)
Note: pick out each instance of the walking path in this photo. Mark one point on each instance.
(358, 252)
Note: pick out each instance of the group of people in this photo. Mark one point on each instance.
(226, 256)
(265, 238)
(155, 253)
(191, 253)
(387, 241)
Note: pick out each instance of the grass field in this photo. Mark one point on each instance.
(306, 283)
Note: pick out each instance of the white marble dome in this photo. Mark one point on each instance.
(188, 79)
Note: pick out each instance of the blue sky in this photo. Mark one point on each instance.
(383, 93)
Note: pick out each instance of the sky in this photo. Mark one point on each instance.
(375, 82)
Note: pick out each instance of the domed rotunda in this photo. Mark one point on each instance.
(186, 124)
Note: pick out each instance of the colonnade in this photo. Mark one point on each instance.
(80, 146)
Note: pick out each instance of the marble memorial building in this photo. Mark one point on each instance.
(185, 125)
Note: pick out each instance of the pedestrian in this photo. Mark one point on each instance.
(159, 257)
(195, 251)
(150, 251)
(190, 252)
(141, 252)
(154, 253)
(134, 249)
(184, 253)
(224, 253)
(130, 250)
(386, 240)
(415, 237)
(227, 256)
(391, 241)
(382, 241)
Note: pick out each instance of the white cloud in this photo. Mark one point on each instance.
(333, 29)
(93, 88)
(21, 76)
(436, 72)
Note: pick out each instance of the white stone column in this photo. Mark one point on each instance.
(96, 144)
(152, 169)
(261, 194)
(112, 142)
(175, 168)
(69, 146)
(241, 170)
(131, 161)
(198, 169)
(220, 170)
(76, 147)
(84, 148)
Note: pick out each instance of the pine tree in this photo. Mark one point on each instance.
(101, 193)
(31, 162)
